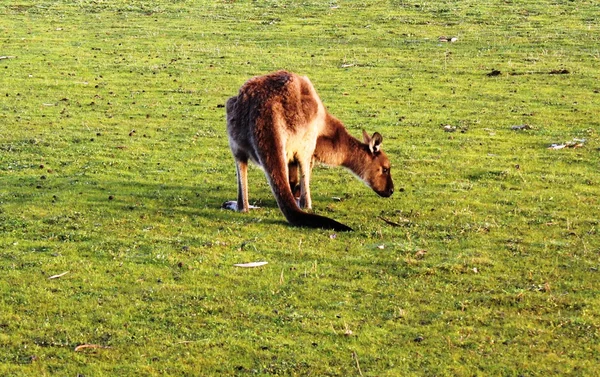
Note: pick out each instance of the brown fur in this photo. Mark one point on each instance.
(279, 122)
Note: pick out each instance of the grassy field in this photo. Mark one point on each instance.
(114, 162)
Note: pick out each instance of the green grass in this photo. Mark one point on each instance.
(114, 162)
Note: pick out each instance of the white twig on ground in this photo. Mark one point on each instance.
(355, 357)
(58, 276)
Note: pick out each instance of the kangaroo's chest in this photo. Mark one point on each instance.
(301, 146)
(301, 140)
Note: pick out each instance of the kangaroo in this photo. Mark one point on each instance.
(279, 122)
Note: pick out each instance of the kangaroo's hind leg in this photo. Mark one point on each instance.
(241, 204)
(242, 181)
(294, 179)
(305, 173)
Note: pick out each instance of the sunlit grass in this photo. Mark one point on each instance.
(114, 162)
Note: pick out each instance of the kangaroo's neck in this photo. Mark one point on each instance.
(335, 146)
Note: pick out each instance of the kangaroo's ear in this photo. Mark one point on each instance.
(373, 141)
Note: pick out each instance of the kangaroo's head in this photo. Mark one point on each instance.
(376, 166)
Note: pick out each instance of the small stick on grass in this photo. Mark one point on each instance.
(58, 276)
(191, 341)
(251, 264)
(90, 346)
(355, 357)
(389, 222)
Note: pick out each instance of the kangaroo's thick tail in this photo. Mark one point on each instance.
(277, 171)
(295, 216)
(277, 174)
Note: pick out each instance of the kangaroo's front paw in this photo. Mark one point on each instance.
(232, 205)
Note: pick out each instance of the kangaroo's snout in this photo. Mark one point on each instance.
(386, 193)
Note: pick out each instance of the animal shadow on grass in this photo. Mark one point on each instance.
(171, 200)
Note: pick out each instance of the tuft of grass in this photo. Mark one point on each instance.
(114, 162)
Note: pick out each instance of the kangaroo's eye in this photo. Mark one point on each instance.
(386, 170)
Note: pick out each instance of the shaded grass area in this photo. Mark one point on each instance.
(114, 163)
